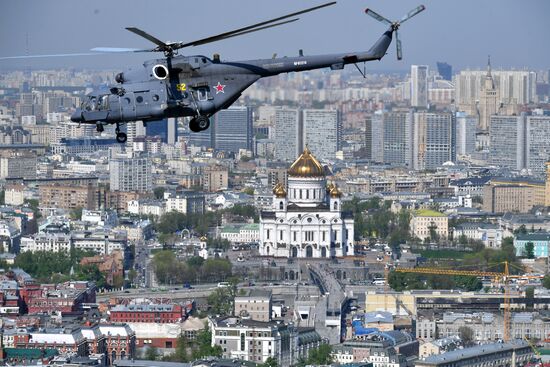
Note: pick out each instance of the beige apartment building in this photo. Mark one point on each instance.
(512, 195)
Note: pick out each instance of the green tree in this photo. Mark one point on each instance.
(159, 192)
(546, 281)
(151, 354)
(76, 213)
(91, 272)
(221, 301)
(180, 354)
(320, 356)
(530, 293)
(530, 250)
(466, 334)
(270, 362)
(203, 346)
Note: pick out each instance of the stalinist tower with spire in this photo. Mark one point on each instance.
(489, 101)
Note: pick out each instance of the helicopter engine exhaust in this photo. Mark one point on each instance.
(160, 71)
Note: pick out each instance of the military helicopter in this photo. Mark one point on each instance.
(198, 86)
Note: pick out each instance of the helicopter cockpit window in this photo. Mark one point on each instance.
(90, 104)
(96, 103)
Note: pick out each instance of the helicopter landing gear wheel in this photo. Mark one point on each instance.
(199, 123)
(121, 137)
(99, 128)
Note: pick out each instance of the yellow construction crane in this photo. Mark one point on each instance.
(497, 276)
(535, 350)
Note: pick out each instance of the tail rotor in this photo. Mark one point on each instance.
(396, 24)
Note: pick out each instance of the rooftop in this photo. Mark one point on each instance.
(428, 213)
(478, 350)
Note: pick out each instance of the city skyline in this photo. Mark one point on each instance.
(425, 41)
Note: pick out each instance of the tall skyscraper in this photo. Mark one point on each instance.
(166, 129)
(322, 131)
(465, 134)
(445, 70)
(377, 130)
(130, 172)
(419, 86)
(288, 134)
(368, 138)
(433, 139)
(392, 137)
(488, 100)
(233, 129)
(537, 144)
(507, 142)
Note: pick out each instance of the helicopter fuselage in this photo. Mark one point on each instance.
(198, 86)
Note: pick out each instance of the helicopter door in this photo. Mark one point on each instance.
(127, 107)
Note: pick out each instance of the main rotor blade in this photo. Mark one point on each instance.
(377, 16)
(45, 56)
(147, 36)
(248, 28)
(398, 46)
(118, 49)
(259, 29)
(412, 13)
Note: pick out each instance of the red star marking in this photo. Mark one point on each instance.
(219, 88)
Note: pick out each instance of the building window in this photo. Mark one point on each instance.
(281, 205)
(281, 235)
(267, 234)
(242, 342)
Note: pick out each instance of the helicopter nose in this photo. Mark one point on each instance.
(77, 116)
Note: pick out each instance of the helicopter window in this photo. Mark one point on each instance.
(204, 60)
(90, 104)
(155, 97)
(139, 99)
(103, 103)
(203, 93)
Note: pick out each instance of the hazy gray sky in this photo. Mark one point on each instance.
(461, 32)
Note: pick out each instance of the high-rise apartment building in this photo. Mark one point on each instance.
(130, 172)
(322, 131)
(288, 134)
(433, 142)
(397, 137)
(233, 129)
(419, 86)
(537, 145)
(507, 137)
(465, 134)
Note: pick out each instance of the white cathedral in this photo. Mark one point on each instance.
(307, 221)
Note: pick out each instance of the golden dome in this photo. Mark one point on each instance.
(279, 190)
(306, 166)
(335, 191)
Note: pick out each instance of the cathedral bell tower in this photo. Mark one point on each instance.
(279, 198)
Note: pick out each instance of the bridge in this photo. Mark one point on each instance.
(329, 309)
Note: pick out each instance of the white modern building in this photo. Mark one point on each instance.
(307, 219)
(322, 131)
(131, 172)
(419, 86)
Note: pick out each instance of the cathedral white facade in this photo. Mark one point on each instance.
(307, 220)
